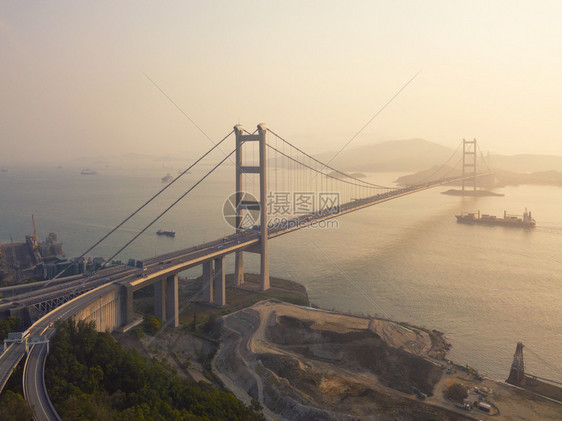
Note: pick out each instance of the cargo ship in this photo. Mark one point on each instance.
(526, 221)
(166, 233)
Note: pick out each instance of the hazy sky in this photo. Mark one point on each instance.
(72, 74)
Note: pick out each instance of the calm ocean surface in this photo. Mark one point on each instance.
(486, 287)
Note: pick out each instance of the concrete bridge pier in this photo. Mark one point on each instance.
(172, 300)
(207, 282)
(160, 300)
(214, 282)
(166, 302)
(219, 283)
(126, 297)
(239, 268)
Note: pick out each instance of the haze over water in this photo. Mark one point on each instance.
(485, 287)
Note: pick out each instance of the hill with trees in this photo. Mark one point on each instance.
(90, 376)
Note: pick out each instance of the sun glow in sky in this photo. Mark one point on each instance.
(73, 75)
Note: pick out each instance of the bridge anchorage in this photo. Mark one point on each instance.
(551, 389)
(517, 372)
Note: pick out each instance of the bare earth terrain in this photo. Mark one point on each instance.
(306, 364)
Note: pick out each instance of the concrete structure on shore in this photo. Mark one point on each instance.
(517, 372)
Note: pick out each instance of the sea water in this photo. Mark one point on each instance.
(485, 287)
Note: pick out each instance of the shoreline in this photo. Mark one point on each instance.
(256, 360)
(282, 364)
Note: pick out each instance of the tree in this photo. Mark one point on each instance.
(13, 407)
(91, 377)
(456, 392)
(151, 325)
(11, 324)
(256, 406)
(138, 332)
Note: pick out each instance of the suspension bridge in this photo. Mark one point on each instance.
(278, 189)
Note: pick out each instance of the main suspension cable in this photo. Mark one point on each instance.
(325, 174)
(365, 183)
(442, 166)
(169, 207)
(145, 204)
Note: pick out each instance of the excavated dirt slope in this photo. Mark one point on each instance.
(306, 364)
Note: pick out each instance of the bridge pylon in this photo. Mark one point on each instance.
(469, 162)
(243, 206)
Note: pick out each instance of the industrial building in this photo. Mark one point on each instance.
(32, 259)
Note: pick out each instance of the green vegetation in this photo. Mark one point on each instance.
(198, 315)
(11, 324)
(12, 404)
(151, 325)
(90, 376)
(456, 392)
(13, 407)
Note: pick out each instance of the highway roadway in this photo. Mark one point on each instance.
(9, 360)
(69, 288)
(33, 376)
(34, 389)
(170, 262)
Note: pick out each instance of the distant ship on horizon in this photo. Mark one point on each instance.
(87, 171)
(508, 220)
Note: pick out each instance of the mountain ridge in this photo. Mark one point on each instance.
(418, 154)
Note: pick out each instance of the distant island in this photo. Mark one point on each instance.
(508, 178)
(420, 158)
(408, 155)
(502, 178)
(336, 174)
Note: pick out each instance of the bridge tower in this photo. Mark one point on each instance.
(517, 373)
(243, 205)
(469, 162)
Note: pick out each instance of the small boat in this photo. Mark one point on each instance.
(166, 233)
(87, 171)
